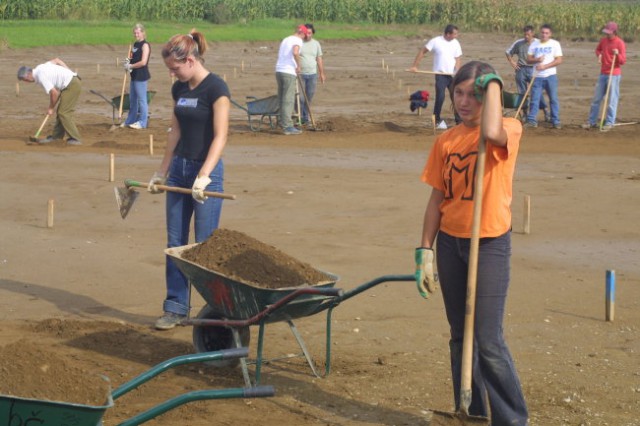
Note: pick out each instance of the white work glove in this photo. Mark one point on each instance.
(157, 179)
(127, 64)
(426, 279)
(197, 190)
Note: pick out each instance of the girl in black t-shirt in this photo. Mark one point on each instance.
(192, 159)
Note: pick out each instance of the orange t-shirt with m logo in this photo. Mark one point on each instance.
(451, 168)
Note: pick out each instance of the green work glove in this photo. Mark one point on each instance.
(426, 279)
(482, 82)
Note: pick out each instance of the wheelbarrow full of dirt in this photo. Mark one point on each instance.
(16, 411)
(126, 104)
(232, 306)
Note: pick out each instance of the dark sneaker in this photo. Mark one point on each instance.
(530, 125)
(292, 131)
(168, 321)
(73, 141)
(588, 126)
(46, 140)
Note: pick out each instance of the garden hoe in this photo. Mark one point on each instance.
(35, 137)
(126, 196)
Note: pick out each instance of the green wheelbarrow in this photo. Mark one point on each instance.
(232, 306)
(126, 104)
(16, 411)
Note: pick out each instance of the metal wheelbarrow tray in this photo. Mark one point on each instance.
(265, 108)
(126, 104)
(232, 306)
(16, 411)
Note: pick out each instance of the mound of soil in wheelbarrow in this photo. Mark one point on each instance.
(245, 259)
(30, 371)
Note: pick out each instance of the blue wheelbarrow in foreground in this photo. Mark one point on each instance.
(232, 306)
(16, 411)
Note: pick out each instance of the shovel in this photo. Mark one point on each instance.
(34, 138)
(126, 196)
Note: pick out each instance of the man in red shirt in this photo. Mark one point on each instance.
(612, 54)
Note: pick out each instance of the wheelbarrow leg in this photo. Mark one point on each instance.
(305, 352)
(243, 360)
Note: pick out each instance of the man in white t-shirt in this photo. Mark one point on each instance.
(545, 55)
(64, 88)
(446, 61)
(287, 70)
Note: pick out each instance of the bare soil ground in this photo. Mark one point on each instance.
(346, 199)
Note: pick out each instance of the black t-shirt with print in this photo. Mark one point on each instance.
(194, 112)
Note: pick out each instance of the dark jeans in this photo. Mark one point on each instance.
(443, 83)
(494, 373)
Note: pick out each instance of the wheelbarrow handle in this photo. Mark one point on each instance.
(174, 362)
(259, 391)
(133, 183)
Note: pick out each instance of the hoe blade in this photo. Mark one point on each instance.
(125, 197)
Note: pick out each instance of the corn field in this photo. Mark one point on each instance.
(568, 17)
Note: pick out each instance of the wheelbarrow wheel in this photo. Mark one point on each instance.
(214, 338)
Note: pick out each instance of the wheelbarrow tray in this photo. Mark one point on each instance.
(260, 111)
(126, 103)
(511, 100)
(23, 411)
(237, 300)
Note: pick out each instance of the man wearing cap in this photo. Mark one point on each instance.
(611, 53)
(63, 87)
(287, 70)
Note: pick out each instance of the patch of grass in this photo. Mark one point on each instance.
(27, 34)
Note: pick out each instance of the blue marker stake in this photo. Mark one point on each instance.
(610, 295)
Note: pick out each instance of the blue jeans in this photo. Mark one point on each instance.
(549, 85)
(310, 82)
(523, 78)
(494, 373)
(138, 106)
(287, 98)
(179, 209)
(614, 95)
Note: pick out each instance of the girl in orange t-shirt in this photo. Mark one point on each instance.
(450, 171)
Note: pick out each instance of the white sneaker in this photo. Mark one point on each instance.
(442, 125)
(135, 125)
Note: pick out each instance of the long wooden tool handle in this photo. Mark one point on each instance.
(124, 84)
(430, 72)
(524, 97)
(472, 278)
(306, 101)
(129, 183)
(46, 117)
(606, 96)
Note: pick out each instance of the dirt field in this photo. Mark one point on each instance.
(346, 199)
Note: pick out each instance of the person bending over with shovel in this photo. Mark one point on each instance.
(192, 159)
(450, 169)
(63, 87)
